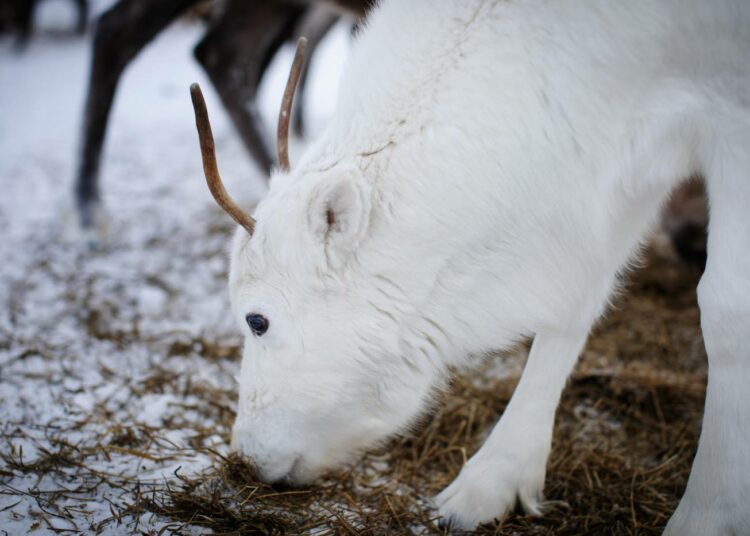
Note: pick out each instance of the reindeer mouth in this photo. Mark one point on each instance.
(299, 474)
(285, 476)
(292, 478)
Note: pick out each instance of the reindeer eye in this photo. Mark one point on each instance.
(258, 323)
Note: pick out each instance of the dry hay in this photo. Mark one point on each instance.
(625, 436)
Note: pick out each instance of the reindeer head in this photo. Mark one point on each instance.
(322, 376)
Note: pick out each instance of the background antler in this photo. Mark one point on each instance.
(282, 134)
(210, 168)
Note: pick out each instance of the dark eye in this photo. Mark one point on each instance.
(258, 323)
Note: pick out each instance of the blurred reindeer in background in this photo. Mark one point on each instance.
(17, 17)
(238, 46)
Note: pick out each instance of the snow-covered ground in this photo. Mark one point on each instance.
(117, 366)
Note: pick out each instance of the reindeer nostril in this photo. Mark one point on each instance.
(258, 323)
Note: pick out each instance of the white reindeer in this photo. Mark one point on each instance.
(490, 169)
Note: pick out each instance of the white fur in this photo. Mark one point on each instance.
(492, 166)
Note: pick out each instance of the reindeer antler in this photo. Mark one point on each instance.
(208, 149)
(210, 169)
(282, 139)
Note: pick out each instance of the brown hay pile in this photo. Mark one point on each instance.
(625, 437)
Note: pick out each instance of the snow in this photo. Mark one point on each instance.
(95, 343)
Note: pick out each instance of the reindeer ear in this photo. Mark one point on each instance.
(339, 211)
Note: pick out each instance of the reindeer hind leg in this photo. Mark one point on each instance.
(315, 25)
(235, 53)
(717, 498)
(83, 15)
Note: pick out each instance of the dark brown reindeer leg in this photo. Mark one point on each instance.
(315, 24)
(24, 21)
(83, 15)
(235, 53)
(120, 34)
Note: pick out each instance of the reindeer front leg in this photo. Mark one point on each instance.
(511, 464)
(121, 33)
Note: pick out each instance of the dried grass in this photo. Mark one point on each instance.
(625, 436)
